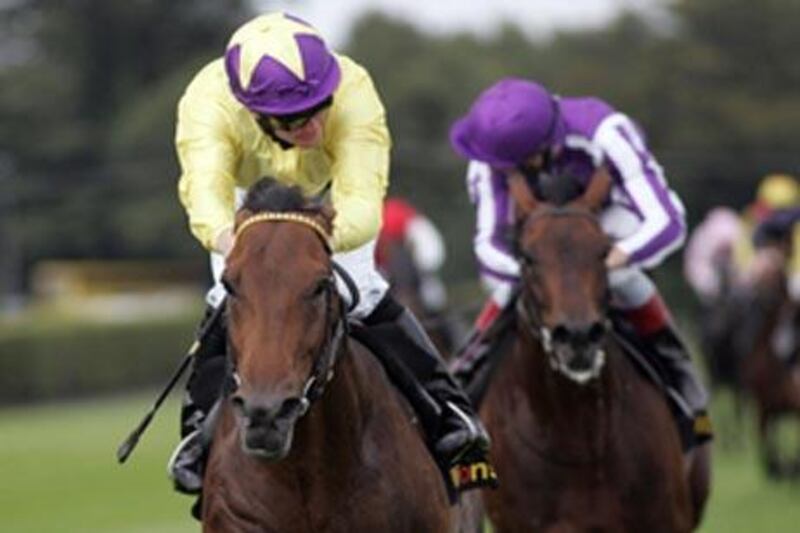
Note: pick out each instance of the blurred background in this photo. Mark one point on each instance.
(101, 283)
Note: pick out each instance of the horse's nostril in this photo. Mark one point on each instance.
(560, 334)
(238, 404)
(596, 332)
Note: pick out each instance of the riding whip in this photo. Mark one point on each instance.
(127, 447)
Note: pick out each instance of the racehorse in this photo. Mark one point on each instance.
(311, 435)
(771, 382)
(581, 442)
(722, 324)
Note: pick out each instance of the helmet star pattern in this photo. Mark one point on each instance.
(273, 35)
(279, 65)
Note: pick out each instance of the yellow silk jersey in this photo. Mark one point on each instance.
(220, 147)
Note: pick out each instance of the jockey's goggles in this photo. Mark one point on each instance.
(294, 121)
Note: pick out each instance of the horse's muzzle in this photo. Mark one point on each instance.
(578, 350)
(267, 431)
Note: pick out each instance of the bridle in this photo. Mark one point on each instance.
(526, 304)
(335, 313)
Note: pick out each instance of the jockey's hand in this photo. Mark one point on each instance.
(616, 258)
(224, 242)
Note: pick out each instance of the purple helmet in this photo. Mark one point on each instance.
(509, 122)
(279, 65)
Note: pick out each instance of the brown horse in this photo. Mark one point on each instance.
(313, 438)
(581, 442)
(772, 383)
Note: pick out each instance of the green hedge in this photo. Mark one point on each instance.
(74, 359)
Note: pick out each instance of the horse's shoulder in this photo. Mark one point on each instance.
(368, 364)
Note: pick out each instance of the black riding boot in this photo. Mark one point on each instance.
(694, 422)
(457, 432)
(203, 388)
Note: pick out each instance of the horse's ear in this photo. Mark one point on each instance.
(241, 215)
(596, 193)
(521, 192)
(327, 213)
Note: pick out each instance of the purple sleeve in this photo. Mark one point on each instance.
(492, 205)
(662, 229)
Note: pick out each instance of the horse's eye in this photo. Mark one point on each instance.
(528, 260)
(321, 288)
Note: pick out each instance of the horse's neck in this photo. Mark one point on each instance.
(329, 434)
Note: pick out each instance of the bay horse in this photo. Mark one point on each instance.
(770, 381)
(312, 437)
(581, 442)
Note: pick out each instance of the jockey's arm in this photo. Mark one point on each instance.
(662, 229)
(360, 167)
(498, 267)
(208, 157)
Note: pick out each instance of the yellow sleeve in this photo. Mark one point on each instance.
(208, 154)
(360, 170)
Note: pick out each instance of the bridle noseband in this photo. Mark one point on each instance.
(335, 313)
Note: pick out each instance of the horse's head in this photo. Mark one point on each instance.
(562, 251)
(284, 314)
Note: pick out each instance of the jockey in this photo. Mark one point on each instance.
(777, 195)
(404, 225)
(518, 126)
(281, 104)
(709, 264)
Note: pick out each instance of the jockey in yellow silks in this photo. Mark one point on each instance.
(281, 104)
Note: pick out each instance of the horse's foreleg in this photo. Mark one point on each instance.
(769, 457)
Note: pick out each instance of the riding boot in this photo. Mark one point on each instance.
(654, 328)
(458, 432)
(203, 388)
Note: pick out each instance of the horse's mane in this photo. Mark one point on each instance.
(267, 194)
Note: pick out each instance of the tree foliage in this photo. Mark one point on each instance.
(88, 89)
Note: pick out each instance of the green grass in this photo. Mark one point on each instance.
(59, 471)
(59, 474)
(743, 500)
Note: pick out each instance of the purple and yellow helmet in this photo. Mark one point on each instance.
(278, 64)
(509, 122)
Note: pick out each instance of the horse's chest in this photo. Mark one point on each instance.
(602, 501)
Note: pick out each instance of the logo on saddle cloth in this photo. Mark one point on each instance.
(477, 474)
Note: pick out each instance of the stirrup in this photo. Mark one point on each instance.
(469, 438)
(186, 464)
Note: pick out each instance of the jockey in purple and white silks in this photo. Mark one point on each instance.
(518, 126)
